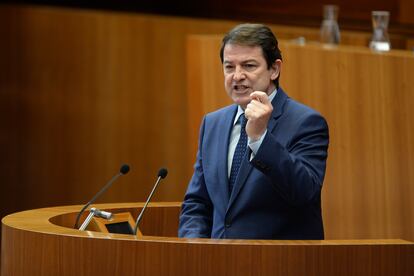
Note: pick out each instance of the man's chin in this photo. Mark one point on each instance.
(242, 101)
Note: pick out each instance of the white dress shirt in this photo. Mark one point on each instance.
(235, 134)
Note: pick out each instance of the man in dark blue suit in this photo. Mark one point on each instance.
(261, 161)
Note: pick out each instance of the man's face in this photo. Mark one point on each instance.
(245, 71)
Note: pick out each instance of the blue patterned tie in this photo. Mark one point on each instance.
(238, 153)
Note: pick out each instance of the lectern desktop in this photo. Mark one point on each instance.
(120, 223)
(43, 242)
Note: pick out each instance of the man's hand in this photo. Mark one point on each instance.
(257, 112)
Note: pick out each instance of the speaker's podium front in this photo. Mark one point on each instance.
(43, 242)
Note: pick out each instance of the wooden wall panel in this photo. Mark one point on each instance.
(353, 14)
(367, 99)
(406, 8)
(83, 91)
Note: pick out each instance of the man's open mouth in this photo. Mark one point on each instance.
(240, 87)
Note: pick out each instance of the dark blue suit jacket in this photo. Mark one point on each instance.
(277, 194)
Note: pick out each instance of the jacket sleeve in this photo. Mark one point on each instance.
(296, 169)
(197, 208)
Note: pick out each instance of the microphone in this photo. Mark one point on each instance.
(123, 170)
(95, 213)
(162, 173)
(102, 214)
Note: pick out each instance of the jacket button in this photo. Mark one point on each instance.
(227, 224)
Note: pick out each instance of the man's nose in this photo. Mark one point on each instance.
(239, 74)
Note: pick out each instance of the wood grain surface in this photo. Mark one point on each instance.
(83, 91)
(33, 245)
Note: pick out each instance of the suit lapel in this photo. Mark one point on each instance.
(278, 103)
(246, 167)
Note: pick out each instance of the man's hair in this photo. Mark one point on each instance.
(255, 35)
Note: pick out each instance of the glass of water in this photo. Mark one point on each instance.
(329, 29)
(380, 40)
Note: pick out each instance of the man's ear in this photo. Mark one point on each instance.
(277, 65)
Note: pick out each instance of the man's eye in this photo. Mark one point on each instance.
(250, 66)
(228, 67)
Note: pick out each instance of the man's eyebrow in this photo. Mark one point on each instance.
(244, 61)
(249, 60)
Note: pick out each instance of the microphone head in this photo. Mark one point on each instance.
(162, 173)
(124, 169)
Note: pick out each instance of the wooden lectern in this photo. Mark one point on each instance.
(42, 242)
